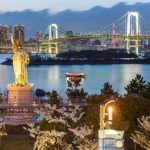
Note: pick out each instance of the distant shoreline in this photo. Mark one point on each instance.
(83, 62)
(86, 57)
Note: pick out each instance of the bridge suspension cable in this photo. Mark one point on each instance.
(145, 26)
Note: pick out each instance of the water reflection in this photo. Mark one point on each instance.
(53, 76)
(129, 72)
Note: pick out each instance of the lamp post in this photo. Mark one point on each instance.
(103, 114)
(109, 138)
(110, 110)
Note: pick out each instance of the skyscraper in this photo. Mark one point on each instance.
(4, 34)
(19, 32)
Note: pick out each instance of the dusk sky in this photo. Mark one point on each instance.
(59, 5)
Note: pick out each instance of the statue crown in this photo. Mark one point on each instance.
(19, 43)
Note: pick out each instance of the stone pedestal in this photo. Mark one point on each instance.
(20, 95)
(20, 105)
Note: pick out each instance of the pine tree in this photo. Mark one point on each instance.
(108, 91)
(146, 92)
(53, 98)
(136, 86)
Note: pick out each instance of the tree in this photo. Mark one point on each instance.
(40, 93)
(77, 93)
(136, 86)
(2, 131)
(92, 113)
(142, 137)
(108, 91)
(146, 92)
(45, 139)
(53, 98)
(130, 108)
(1, 98)
(64, 132)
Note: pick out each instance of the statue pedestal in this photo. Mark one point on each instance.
(20, 95)
(20, 105)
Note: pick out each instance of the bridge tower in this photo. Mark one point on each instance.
(133, 29)
(113, 41)
(53, 31)
(53, 34)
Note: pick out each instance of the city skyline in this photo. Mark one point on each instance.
(57, 5)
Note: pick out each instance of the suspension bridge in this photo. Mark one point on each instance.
(129, 31)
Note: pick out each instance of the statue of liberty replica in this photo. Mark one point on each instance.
(20, 101)
(20, 61)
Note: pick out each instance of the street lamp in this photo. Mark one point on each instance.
(103, 113)
(109, 137)
(110, 110)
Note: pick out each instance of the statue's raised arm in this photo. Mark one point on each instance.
(14, 47)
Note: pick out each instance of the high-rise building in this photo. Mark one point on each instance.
(4, 34)
(19, 32)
